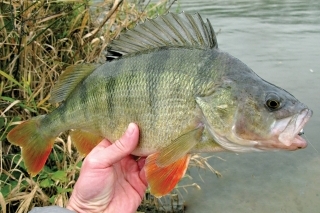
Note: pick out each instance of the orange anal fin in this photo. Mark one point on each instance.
(163, 179)
(84, 141)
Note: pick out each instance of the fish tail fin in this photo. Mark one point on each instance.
(35, 144)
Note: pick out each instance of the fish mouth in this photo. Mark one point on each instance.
(291, 135)
(289, 130)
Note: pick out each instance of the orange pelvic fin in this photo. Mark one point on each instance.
(35, 145)
(162, 180)
(84, 141)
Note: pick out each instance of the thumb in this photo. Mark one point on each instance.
(109, 155)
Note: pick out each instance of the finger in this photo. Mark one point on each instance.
(102, 145)
(108, 155)
(141, 162)
(142, 173)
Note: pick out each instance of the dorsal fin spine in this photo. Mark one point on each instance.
(156, 25)
(206, 33)
(170, 30)
(213, 38)
(150, 39)
(173, 29)
(194, 25)
(163, 31)
(188, 34)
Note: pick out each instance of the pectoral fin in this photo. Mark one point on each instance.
(84, 141)
(179, 147)
(163, 179)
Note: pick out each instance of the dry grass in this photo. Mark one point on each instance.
(38, 40)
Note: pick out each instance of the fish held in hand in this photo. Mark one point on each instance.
(186, 95)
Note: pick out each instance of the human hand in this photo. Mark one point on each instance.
(110, 179)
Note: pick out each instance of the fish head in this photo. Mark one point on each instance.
(253, 115)
(269, 118)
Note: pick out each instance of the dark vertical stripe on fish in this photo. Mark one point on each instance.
(84, 98)
(110, 89)
(62, 116)
(158, 61)
(203, 70)
(129, 86)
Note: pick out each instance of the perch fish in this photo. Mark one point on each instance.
(186, 95)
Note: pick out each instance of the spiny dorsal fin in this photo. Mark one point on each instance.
(170, 30)
(69, 80)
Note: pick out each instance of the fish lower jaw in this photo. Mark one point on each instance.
(290, 135)
(288, 140)
(300, 142)
(293, 142)
(235, 144)
(274, 144)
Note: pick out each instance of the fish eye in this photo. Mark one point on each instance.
(273, 101)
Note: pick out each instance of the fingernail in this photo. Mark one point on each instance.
(130, 129)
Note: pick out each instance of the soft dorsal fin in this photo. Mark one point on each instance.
(69, 80)
(170, 30)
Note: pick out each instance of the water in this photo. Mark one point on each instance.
(280, 41)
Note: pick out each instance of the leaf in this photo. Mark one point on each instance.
(59, 176)
(5, 190)
(79, 164)
(20, 104)
(52, 199)
(2, 122)
(63, 190)
(16, 159)
(10, 78)
(46, 183)
(47, 169)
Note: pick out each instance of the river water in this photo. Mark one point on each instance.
(280, 41)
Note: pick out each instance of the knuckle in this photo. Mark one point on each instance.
(120, 146)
